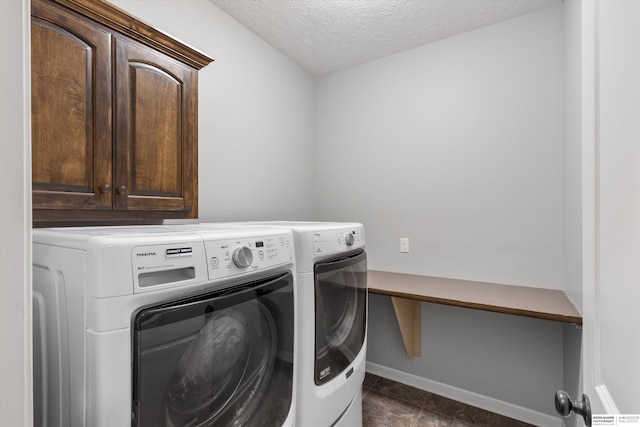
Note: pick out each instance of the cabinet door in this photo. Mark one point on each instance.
(155, 137)
(71, 111)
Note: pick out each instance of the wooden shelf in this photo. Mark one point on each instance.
(408, 290)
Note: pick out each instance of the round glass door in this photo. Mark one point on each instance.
(223, 358)
(341, 311)
(225, 369)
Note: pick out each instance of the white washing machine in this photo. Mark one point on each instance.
(331, 290)
(163, 326)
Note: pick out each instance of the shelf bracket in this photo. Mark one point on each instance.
(409, 320)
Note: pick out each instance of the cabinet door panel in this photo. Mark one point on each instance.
(71, 112)
(154, 138)
(156, 105)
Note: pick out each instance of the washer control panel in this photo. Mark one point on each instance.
(167, 265)
(330, 241)
(230, 257)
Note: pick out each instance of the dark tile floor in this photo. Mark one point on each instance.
(386, 403)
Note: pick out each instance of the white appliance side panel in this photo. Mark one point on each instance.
(50, 332)
(353, 415)
(304, 251)
(67, 274)
(108, 378)
(109, 270)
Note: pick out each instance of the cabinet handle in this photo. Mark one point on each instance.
(122, 190)
(105, 188)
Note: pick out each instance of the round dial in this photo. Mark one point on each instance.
(348, 239)
(242, 257)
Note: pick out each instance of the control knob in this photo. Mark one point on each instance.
(242, 257)
(348, 239)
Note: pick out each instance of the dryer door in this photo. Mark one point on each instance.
(341, 314)
(222, 358)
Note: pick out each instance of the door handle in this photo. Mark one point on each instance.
(564, 406)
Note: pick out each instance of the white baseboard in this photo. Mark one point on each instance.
(480, 401)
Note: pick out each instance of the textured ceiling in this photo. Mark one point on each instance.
(327, 35)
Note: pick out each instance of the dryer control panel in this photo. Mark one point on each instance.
(230, 257)
(330, 241)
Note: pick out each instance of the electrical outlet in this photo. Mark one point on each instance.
(404, 245)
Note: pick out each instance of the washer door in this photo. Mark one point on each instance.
(223, 358)
(341, 313)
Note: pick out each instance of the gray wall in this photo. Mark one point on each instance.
(513, 359)
(458, 145)
(573, 152)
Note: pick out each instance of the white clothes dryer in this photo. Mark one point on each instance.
(163, 326)
(331, 278)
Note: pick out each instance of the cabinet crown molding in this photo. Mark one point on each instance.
(117, 19)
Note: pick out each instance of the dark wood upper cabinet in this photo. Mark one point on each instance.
(155, 108)
(114, 116)
(71, 111)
